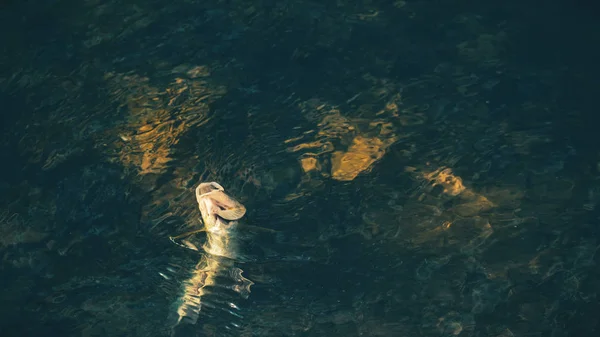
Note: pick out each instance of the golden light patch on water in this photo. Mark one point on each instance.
(454, 216)
(391, 107)
(473, 202)
(363, 152)
(293, 139)
(452, 184)
(360, 156)
(309, 164)
(352, 145)
(158, 117)
(310, 145)
(155, 145)
(334, 124)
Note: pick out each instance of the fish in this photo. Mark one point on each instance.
(220, 215)
(214, 203)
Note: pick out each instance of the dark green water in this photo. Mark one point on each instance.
(410, 168)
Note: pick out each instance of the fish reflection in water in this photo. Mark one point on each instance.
(221, 214)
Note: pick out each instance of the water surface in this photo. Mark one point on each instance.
(409, 168)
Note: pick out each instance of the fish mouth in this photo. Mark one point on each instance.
(213, 200)
(205, 188)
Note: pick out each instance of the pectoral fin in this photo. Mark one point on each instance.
(186, 234)
(185, 243)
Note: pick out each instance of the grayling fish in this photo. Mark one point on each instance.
(220, 214)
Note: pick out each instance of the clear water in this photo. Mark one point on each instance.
(409, 168)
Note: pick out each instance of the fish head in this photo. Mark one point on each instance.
(218, 209)
(204, 188)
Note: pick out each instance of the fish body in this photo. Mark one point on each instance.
(220, 215)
